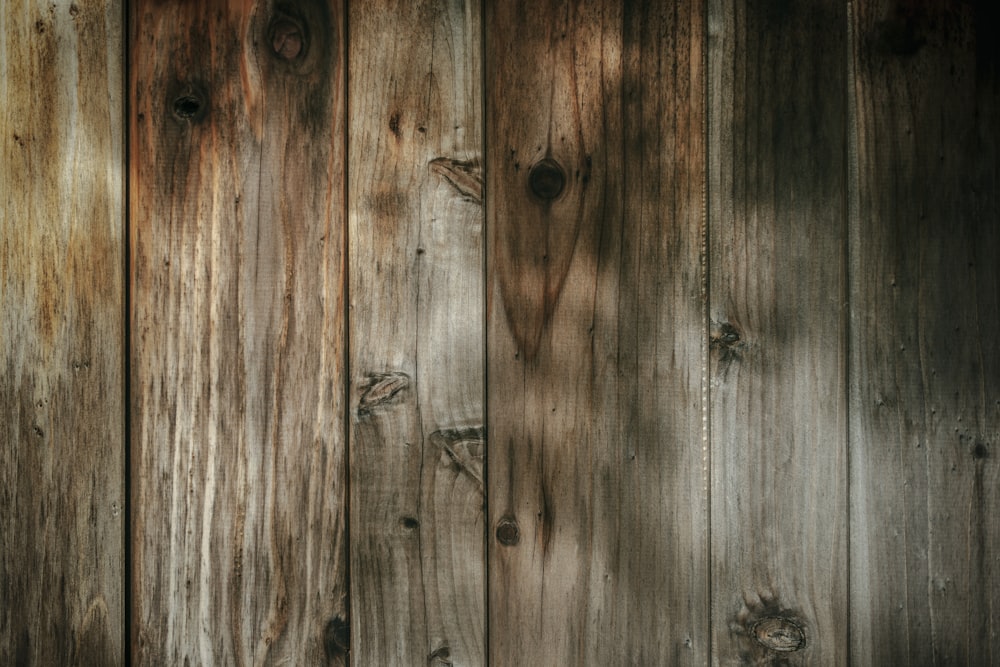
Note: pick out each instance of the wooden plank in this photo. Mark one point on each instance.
(416, 327)
(925, 368)
(61, 333)
(238, 333)
(597, 334)
(778, 387)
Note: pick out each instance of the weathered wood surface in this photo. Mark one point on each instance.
(416, 332)
(596, 334)
(238, 435)
(777, 234)
(741, 386)
(925, 365)
(61, 333)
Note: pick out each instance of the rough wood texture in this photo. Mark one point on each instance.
(416, 320)
(596, 334)
(925, 371)
(237, 331)
(61, 331)
(778, 388)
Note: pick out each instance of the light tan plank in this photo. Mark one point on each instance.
(238, 333)
(415, 211)
(61, 333)
(925, 368)
(596, 334)
(778, 387)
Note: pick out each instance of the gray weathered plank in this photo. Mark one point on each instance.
(416, 331)
(925, 366)
(61, 333)
(239, 460)
(597, 334)
(777, 226)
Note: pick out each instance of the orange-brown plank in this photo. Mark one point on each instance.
(416, 331)
(925, 365)
(777, 235)
(61, 333)
(597, 334)
(239, 459)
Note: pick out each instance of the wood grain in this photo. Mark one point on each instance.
(596, 334)
(777, 226)
(239, 463)
(925, 367)
(61, 297)
(416, 327)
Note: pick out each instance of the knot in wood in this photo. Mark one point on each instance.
(508, 533)
(778, 634)
(337, 637)
(286, 38)
(187, 106)
(546, 179)
(190, 102)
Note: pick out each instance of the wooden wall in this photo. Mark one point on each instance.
(449, 332)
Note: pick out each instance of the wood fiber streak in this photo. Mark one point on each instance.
(925, 366)
(61, 332)
(238, 466)
(596, 330)
(416, 332)
(777, 224)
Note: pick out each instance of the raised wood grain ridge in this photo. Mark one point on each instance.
(452, 332)
(62, 447)
(238, 287)
(416, 331)
(596, 334)
(777, 239)
(925, 365)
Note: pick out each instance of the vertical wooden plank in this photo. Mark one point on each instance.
(925, 368)
(238, 333)
(61, 333)
(777, 253)
(415, 211)
(596, 334)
